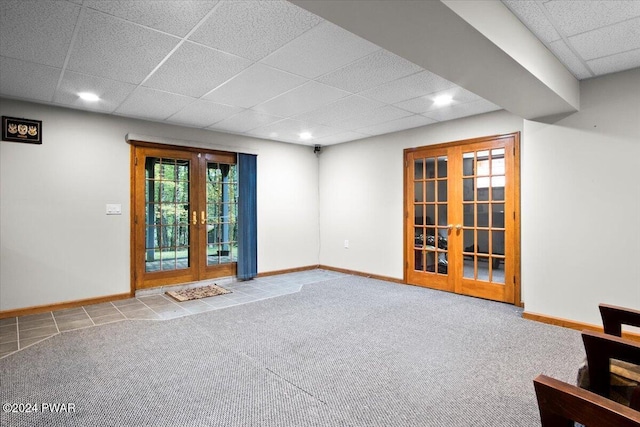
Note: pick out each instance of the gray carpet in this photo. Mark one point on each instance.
(345, 352)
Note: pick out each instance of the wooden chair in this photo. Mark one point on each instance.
(613, 317)
(561, 404)
(610, 359)
(623, 371)
(624, 374)
(601, 349)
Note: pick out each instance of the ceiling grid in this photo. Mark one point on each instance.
(267, 69)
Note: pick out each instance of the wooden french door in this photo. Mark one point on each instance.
(184, 214)
(462, 231)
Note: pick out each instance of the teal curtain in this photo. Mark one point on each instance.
(247, 217)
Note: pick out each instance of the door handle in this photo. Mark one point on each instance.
(195, 217)
(203, 220)
(458, 226)
(450, 226)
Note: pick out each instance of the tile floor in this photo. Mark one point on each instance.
(17, 333)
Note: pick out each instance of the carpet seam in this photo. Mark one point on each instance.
(256, 363)
(297, 386)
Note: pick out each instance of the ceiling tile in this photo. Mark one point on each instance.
(27, 80)
(111, 92)
(254, 29)
(339, 137)
(373, 70)
(462, 110)
(408, 87)
(194, 70)
(174, 17)
(533, 17)
(426, 103)
(290, 130)
(37, 31)
(575, 17)
(245, 121)
(153, 104)
(119, 43)
(608, 40)
(380, 115)
(254, 85)
(203, 113)
(324, 48)
(307, 97)
(397, 125)
(614, 63)
(570, 60)
(341, 109)
(112, 48)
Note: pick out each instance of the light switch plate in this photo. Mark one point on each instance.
(114, 209)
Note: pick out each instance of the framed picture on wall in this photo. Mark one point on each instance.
(21, 130)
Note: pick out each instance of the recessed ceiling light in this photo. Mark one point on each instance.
(443, 100)
(88, 96)
(305, 135)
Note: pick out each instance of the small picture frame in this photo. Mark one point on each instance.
(21, 130)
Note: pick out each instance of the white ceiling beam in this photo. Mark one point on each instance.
(478, 45)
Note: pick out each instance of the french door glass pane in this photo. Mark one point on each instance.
(497, 187)
(483, 241)
(431, 168)
(468, 218)
(467, 188)
(469, 241)
(468, 164)
(431, 191)
(166, 214)
(221, 213)
(419, 215)
(419, 169)
(442, 167)
(469, 267)
(497, 242)
(483, 215)
(442, 191)
(497, 217)
(419, 196)
(431, 214)
(430, 210)
(418, 237)
(442, 214)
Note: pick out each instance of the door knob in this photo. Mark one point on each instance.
(450, 226)
(458, 226)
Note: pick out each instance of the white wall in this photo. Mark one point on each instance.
(581, 204)
(57, 243)
(580, 200)
(361, 192)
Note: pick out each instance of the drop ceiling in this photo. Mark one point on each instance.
(591, 38)
(267, 69)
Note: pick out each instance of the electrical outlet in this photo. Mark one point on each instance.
(346, 244)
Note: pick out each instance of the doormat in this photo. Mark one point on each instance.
(197, 293)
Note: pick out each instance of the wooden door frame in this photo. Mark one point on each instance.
(138, 244)
(206, 272)
(217, 270)
(407, 216)
(441, 282)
